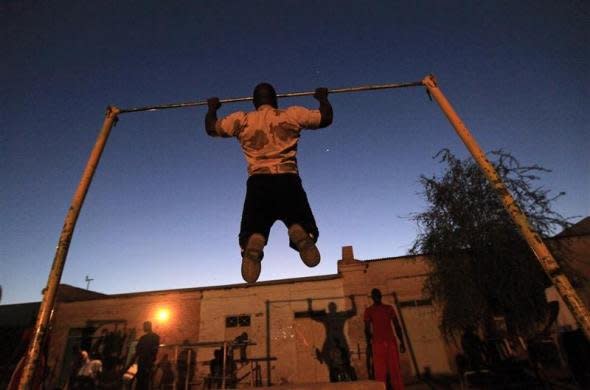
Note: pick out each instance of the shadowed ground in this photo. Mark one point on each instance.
(358, 385)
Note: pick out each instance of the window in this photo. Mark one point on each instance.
(242, 320)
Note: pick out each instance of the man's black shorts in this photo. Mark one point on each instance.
(275, 197)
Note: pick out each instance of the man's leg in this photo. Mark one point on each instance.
(255, 226)
(143, 378)
(304, 243)
(380, 361)
(393, 365)
(298, 217)
(252, 256)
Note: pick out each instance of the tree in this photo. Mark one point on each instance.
(481, 266)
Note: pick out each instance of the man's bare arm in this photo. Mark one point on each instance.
(400, 335)
(211, 116)
(321, 95)
(368, 332)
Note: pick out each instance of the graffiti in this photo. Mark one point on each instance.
(335, 352)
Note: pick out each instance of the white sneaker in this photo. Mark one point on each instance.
(308, 251)
(251, 258)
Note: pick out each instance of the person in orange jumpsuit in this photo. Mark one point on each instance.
(378, 320)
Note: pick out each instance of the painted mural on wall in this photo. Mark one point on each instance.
(335, 352)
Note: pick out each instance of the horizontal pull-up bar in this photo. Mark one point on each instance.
(280, 95)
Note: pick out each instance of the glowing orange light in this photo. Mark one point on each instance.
(163, 315)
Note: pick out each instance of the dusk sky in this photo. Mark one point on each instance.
(163, 211)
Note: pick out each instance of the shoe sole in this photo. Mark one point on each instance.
(308, 251)
(252, 257)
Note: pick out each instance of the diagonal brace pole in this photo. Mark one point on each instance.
(50, 292)
(540, 250)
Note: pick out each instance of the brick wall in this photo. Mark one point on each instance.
(126, 312)
(274, 328)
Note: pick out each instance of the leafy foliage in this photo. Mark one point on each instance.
(481, 265)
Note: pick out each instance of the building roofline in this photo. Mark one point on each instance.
(404, 257)
(578, 229)
(8, 305)
(238, 285)
(209, 288)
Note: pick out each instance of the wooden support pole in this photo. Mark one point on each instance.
(542, 253)
(61, 253)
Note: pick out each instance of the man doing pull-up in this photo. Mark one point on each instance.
(268, 137)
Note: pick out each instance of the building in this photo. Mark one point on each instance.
(286, 322)
(285, 343)
(14, 321)
(572, 248)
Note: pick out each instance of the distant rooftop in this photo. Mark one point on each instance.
(581, 228)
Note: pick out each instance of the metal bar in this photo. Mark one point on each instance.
(63, 245)
(268, 338)
(176, 366)
(406, 335)
(188, 367)
(542, 253)
(317, 299)
(361, 88)
(224, 367)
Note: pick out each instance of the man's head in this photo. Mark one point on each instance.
(332, 307)
(264, 93)
(147, 326)
(376, 295)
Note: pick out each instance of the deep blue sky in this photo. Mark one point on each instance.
(164, 208)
